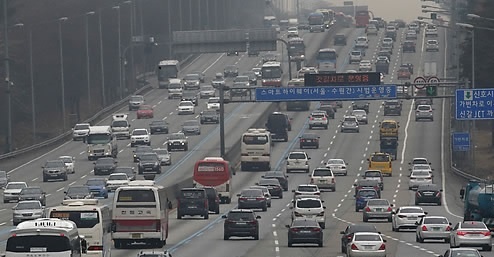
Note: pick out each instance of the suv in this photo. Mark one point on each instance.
(392, 107)
(323, 177)
(213, 199)
(193, 201)
(409, 47)
(54, 169)
(135, 102)
(279, 125)
(177, 141)
(242, 223)
(80, 131)
(424, 112)
(350, 123)
(307, 207)
(339, 40)
(362, 42)
(432, 45)
(355, 57)
(388, 128)
(374, 175)
(149, 162)
(140, 136)
(297, 161)
(318, 119)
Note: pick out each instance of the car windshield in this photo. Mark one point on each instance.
(431, 220)
(117, 177)
(373, 174)
(81, 126)
(161, 151)
(367, 237)
(15, 186)
(359, 113)
(474, 225)
(105, 161)
(379, 202)
(149, 157)
(411, 210)
(28, 206)
(54, 164)
(213, 112)
(251, 193)
(192, 77)
(158, 123)
(309, 203)
(191, 123)
(464, 253)
(349, 119)
(95, 182)
(421, 167)
(139, 132)
(207, 88)
(120, 123)
(297, 156)
(336, 161)
(78, 190)
(355, 53)
(177, 136)
(241, 79)
(213, 100)
(136, 98)
(307, 189)
(145, 107)
(424, 108)
(186, 104)
(322, 172)
(31, 191)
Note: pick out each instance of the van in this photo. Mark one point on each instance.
(175, 88)
(388, 128)
(120, 126)
(381, 162)
(278, 124)
(193, 202)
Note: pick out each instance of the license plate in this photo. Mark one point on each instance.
(304, 231)
(192, 207)
(309, 141)
(251, 199)
(412, 218)
(379, 209)
(309, 216)
(241, 223)
(136, 235)
(436, 228)
(368, 247)
(322, 181)
(255, 158)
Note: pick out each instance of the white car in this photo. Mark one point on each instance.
(311, 208)
(419, 178)
(407, 217)
(12, 191)
(421, 167)
(207, 91)
(362, 42)
(186, 107)
(213, 103)
(433, 227)
(365, 65)
(140, 137)
(292, 32)
(419, 160)
(69, 163)
(431, 32)
(355, 56)
(116, 180)
(432, 45)
(471, 234)
(297, 161)
(318, 119)
(366, 244)
(387, 41)
(80, 131)
(372, 30)
(306, 189)
(323, 178)
(337, 166)
(411, 35)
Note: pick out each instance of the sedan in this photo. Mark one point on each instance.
(461, 252)
(104, 166)
(351, 229)
(407, 217)
(309, 140)
(158, 126)
(471, 234)
(418, 178)
(280, 176)
(433, 227)
(361, 116)
(428, 193)
(130, 171)
(164, 156)
(304, 231)
(145, 111)
(265, 191)
(273, 185)
(207, 91)
(33, 193)
(116, 180)
(97, 186)
(191, 127)
(78, 192)
(367, 244)
(27, 210)
(337, 166)
(252, 198)
(377, 209)
(140, 150)
(365, 65)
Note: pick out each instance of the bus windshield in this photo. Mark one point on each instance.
(136, 196)
(271, 73)
(255, 140)
(83, 219)
(98, 138)
(327, 55)
(38, 244)
(316, 19)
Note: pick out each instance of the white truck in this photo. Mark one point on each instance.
(430, 69)
(101, 143)
(120, 126)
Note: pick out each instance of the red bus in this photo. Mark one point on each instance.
(215, 172)
(362, 19)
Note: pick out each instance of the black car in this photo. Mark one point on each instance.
(177, 141)
(140, 150)
(309, 140)
(209, 116)
(33, 193)
(105, 166)
(252, 199)
(158, 126)
(149, 162)
(230, 71)
(241, 223)
(273, 185)
(339, 40)
(54, 169)
(193, 202)
(430, 193)
(408, 47)
(392, 107)
(190, 96)
(304, 231)
(347, 235)
(213, 199)
(280, 176)
(78, 192)
(279, 125)
(130, 171)
(361, 105)
(329, 109)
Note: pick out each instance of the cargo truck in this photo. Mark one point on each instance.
(478, 204)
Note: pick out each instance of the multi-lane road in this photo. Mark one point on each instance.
(194, 237)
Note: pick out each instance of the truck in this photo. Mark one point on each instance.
(478, 198)
(389, 145)
(101, 142)
(362, 19)
(430, 69)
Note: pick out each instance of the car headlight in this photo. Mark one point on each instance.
(156, 164)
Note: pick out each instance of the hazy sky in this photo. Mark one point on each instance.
(407, 10)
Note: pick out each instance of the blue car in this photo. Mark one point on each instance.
(97, 186)
(363, 196)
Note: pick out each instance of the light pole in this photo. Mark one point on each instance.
(478, 17)
(87, 60)
(124, 78)
(102, 59)
(62, 79)
(119, 32)
(7, 76)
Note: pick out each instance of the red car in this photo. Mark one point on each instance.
(145, 111)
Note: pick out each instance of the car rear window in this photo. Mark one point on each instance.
(378, 202)
(309, 203)
(380, 158)
(252, 192)
(367, 238)
(297, 156)
(388, 125)
(305, 223)
(435, 221)
(318, 116)
(424, 108)
(367, 193)
(322, 172)
(307, 189)
(372, 174)
(192, 194)
(240, 216)
(476, 225)
(411, 210)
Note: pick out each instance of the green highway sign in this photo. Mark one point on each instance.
(431, 90)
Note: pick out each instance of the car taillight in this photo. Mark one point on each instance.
(461, 233)
(424, 228)
(402, 216)
(229, 221)
(418, 194)
(316, 229)
(242, 199)
(349, 237)
(311, 118)
(367, 209)
(302, 140)
(252, 222)
(383, 247)
(486, 233)
(324, 118)
(320, 214)
(95, 248)
(389, 209)
(354, 247)
(295, 229)
(312, 181)
(448, 228)
(438, 194)
(260, 198)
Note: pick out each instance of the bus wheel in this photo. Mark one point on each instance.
(159, 243)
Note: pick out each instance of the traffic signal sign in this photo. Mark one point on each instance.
(431, 90)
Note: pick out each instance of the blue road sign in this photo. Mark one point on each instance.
(283, 94)
(475, 104)
(461, 141)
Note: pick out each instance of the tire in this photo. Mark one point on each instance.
(206, 216)
(256, 236)
(323, 225)
(343, 249)
(281, 196)
(417, 239)
(487, 248)
(228, 200)
(265, 207)
(217, 210)
(226, 236)
(365, 219)
(179, 216)
(357, 209)
(65, 178)
(290, 244)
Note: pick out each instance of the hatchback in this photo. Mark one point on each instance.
(374, 175)
(297, 161)
(433, 227)
(424, 112)
(367, 244)
(324, 179)
(241, 223)
(428, 193)
(407, 217)
(310, 208)
(377, 209)
(471, 234)
(347, 234)
(304, 231)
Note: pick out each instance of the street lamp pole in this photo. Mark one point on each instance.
(62, 79)
(7, 76)
(102, 60)
(475, 16)
(31, 75)
(119, 32)
(87, 60)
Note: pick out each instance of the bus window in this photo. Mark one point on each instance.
(136, 196)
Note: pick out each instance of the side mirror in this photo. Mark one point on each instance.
(267, 195)
(94, 162)
(257, 184)
(417, 223)
(286, 158)
(223, 216)
(410, 169)
(287, 226)
(462, 193)
(392, 205)
(238, 195)
(293, 190)
(425, 212)
(409, 163)
(258, 217)
(440, 190)
(430, 163)
(83, 245)
(342, 232)
(367, 159)
(170, 205)
(324, 207)
(432, 169)
(450, 224)
(355, 184)
(291, 207)
(309, 158)
(393, 212)
(64, 192)
(384, 240)
(13, 208)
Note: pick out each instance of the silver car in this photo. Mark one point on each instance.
(191, 127)
(350, 123)
(407, 217)
(471, 234)
(164, 156)
(419, 178)
(27, 210)
(377, 209)
(361, 116)
(337, 166)
(207, 91)
(433, 227)
(424, 112)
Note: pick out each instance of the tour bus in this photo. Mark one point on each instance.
(167, 69)
(45, 237)
(297, 105)
(271, 74)
(362, 19)
(93, 222)
(215, 172)
(101, 142)
(328, 16)
(316, 22)
(140, 214)
(296, 49)
(255, 149)
(326, 60)
(269, 21)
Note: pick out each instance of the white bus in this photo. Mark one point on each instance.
(93, 222)
(140, 214)
(45, 237)
(256, 149)
(271, 74)
(167, 69)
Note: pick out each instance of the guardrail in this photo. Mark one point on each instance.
(96, 116)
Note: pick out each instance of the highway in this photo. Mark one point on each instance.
(191, 237)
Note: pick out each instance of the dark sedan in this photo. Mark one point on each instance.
(347, 235)
(280, 176)
(273, 185)
(78, 192)
(140, 150)
(105, 166)
(33, 193)
(428, 193)
(304, 231)
(309, 140)
(158, 126)
(252, 199)
(209, 116)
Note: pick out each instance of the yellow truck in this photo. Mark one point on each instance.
(382, 162)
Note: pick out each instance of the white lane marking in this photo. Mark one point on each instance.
(3, 223)
(72, 183)
(82, 152)
(48, 195)
(212, 64)
(83, 176)
(34, 179)
(60, 189)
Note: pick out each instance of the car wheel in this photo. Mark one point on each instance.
(256, 236)
(265, 207)
(364, 218)
(226, 236)
(179, 216)
(206, 216)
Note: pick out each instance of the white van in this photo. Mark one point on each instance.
(120, 126)
(175, 88)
